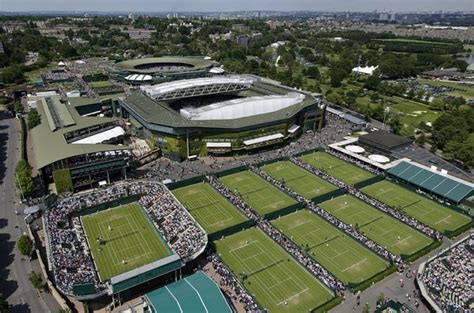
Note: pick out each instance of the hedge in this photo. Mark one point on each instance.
(373, 279)
(414, 256)
(326, 307)
(459, 231)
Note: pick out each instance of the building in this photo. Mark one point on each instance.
(156, 70)
(242, 40)
(241, 28)
(384, 141)
(219, 114)
(75, 147)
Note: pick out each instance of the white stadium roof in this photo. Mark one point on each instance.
(138, 77)
(243, 107)
(157, 90)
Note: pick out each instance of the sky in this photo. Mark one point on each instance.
(226, 5)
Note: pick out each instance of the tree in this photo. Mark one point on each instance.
(25, 245)
(373, 81)
(18, 107)
(33, 119)
(395, 124)
(374, 97)
(366, 308)
(4, 306)
(36, 280)
(312, 72)
(24, 181)
(337, 75)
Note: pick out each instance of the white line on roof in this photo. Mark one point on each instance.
(199, 295)
(177, 302)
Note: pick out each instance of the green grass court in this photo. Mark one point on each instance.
(259, 194)
(277, 281)
(130, 242)
(210, 209)
(337, 252)
(99, 84)
(388, 232)
(346, 172)
(423, 209)
(297, 179)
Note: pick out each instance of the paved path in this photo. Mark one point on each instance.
(14, 269)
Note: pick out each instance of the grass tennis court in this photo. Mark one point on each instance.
(346, 172)
(337, 252)
(423, 209)
(277, 281)
(127, 241)
(390, 233)
(210, 209)
(259, 194)
(297, 179)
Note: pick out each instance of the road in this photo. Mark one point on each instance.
(14, 269)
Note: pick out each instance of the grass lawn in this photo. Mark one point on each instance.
(210, 209)
(388, 232)
(348, 173)
(466, 91)
(259, 194)
(130, 240)
(337, 252)
(100, 83)
(415, 41)
(297, 179)
(423, 209)
(277, 281)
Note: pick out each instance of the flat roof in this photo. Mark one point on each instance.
(160, 113)
(194, 294)
(263, 139)
(197, 63)
(51, 146)
(384, 139)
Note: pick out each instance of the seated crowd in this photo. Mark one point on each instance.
(449, 278)
(69, 255)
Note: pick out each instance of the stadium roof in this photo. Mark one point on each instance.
(243, 107)
(194, 63)
(194, 294)
(439, 183)
(160, 113)
(50, 146)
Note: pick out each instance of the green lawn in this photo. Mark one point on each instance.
(259, 194)
(423, 209)
(297, 179)
(348, 173)
(465, 91)
(99, 84)
(276, 280)
(130, 240)
(388, 232)
(337, 252)
(208, 207)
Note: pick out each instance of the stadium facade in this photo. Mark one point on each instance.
(219, 114)
(157, 70)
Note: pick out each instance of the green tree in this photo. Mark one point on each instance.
(25, 245)
(24, 180)
(4, 306)
(395, 124)
(337, 75)
(36, 280)
(33, 119)
(18, 107)
(312, 72)
(373, 81)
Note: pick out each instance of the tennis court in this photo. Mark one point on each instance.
(122, 239)
(342, 170)
(297, 179)
(337, 252)
(388, 232)
(210, 209)
(277, 281)
(417, 206)
(259, 194)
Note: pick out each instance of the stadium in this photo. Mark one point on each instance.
(156, 70)
(218, 115)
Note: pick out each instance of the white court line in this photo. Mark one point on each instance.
(299, 224)
(295, 295)
(442, 220)
(348, 268)
(400, 241)
(245, 245)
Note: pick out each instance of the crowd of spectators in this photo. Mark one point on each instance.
(229, 280)
(449, 278)
(69, 256)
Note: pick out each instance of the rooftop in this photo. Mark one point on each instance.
(49, 145)
(384, 140)
(159, 64)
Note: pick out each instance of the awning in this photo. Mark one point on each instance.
(115, 132)
(293, 128)
(218, 145)
(263, 139)
(31, 209)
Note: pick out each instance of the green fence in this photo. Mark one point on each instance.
(373, 279)
(368, 182)
(329, 195)
(84, 289)
(232, 171)
(289, 209)
(308, 152)
(414, 256)
(186, 182)
(285, 158)
(327, 306)
(110, 204)
(231, 230)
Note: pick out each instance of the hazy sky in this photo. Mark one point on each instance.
(235, 5)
